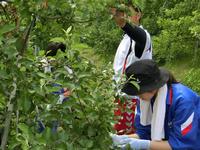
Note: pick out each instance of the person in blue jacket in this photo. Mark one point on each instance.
(168, 112)
(63, 94)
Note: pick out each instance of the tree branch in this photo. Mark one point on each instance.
(8, 116)
(25, 37)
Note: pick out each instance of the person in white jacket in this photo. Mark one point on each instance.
(135, 45)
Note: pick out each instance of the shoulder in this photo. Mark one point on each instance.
(183, 94)
(125, 36)
(183, 90)
(144, 29)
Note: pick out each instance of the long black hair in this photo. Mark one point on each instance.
(171, 80)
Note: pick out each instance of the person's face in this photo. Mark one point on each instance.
(147, 96)
(135, 17)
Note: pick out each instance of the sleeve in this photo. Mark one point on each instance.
(144, 132)
(136, 33)
(184, 131)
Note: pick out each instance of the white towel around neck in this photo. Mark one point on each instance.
(157, 117)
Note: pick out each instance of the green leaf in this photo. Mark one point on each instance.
(27, 104)
(58, 39)
(53, 89)
(23, 141)
(25, 129)
(23, 69)
(41, 53)
(90, 144)
(13, 145)
(6, 28)
(3, 74)
(91, 131)
(42, 82)
(68, 30)
(43, 75)
(41, 139)
(11, 52)
(1, 38)
(135, 84)
(47, 134)
(31, 91)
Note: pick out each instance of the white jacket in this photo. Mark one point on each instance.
(122, 51)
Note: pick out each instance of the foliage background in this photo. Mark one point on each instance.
(92, 38)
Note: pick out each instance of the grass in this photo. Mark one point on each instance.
(179, 68)
(95, 57)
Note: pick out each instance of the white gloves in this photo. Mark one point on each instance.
(118, 139)
(135, 144)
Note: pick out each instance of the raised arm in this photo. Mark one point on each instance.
(136, 33)
(133, 31)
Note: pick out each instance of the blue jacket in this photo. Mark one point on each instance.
(182, 119)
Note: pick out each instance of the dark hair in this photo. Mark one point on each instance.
(137, 9)
(53, 47)
(134, 6)
(171, 80)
